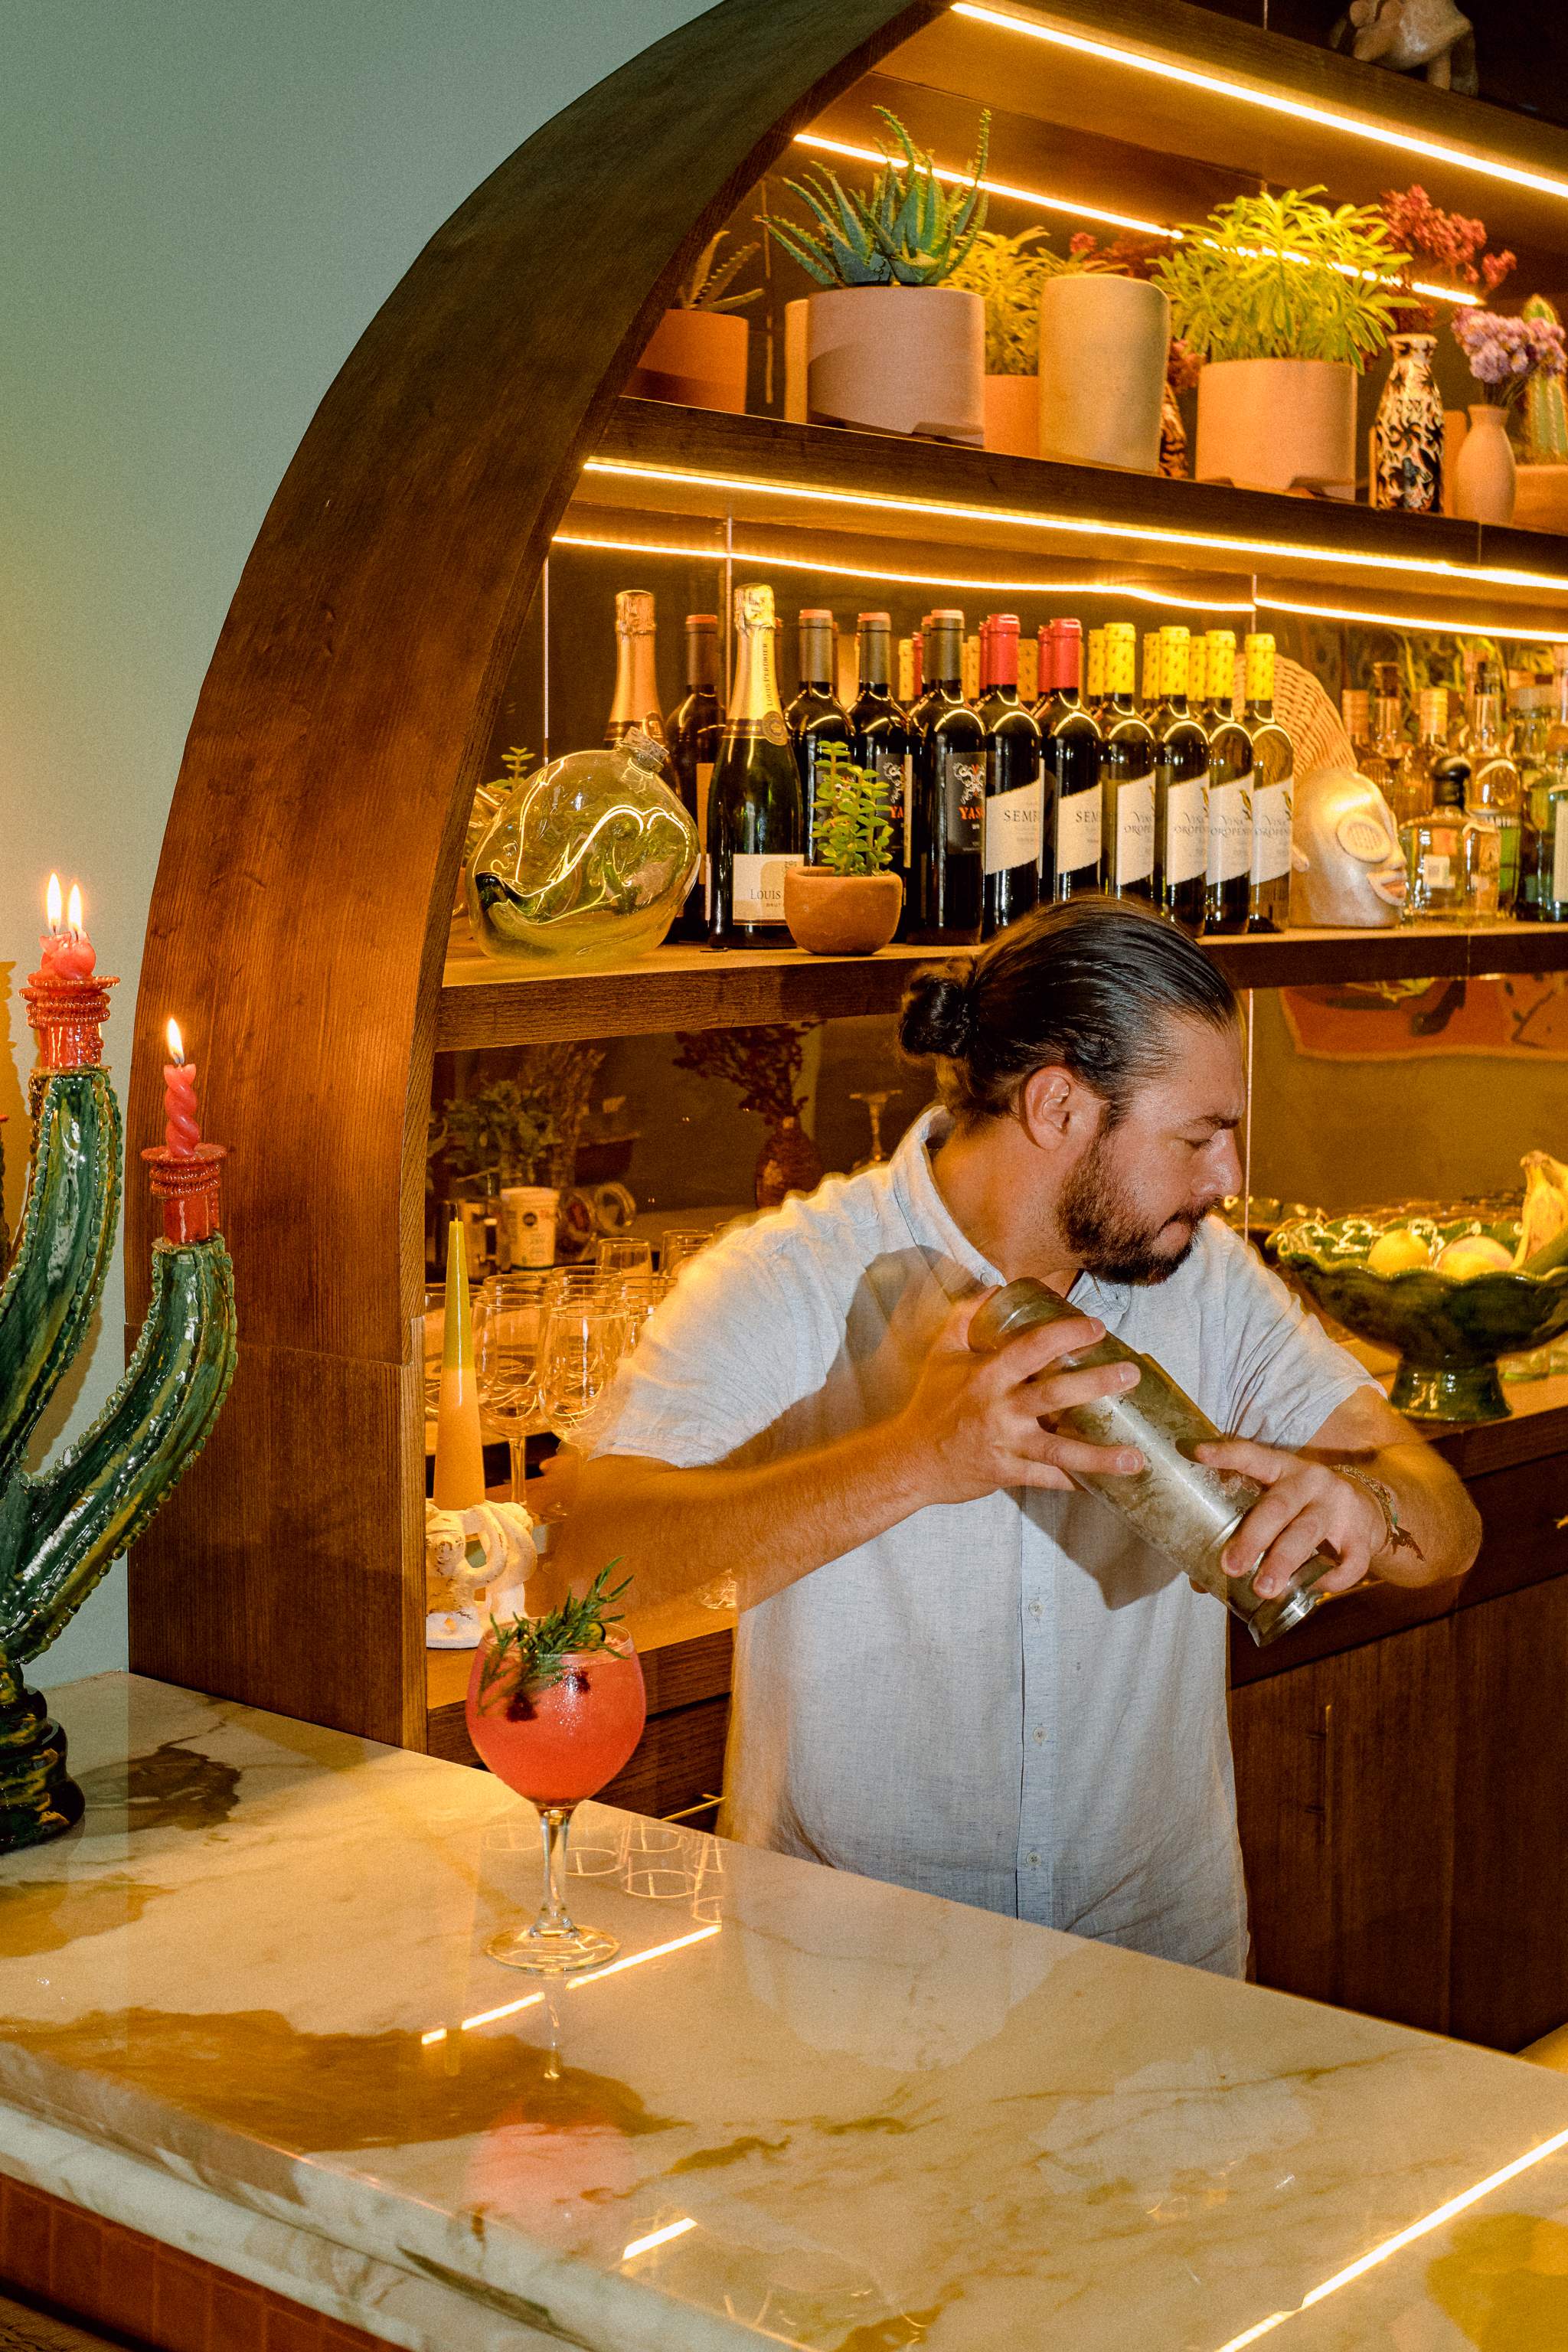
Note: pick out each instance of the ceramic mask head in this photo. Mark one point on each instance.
(1347, 868)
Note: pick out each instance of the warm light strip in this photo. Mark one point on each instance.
(1396, 2244)
(1446, 625)
(659, 2238)
(575, 1984)
(1271, 101)
(1466, 574)
(998, 188)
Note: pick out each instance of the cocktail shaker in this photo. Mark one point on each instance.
(1179, 1506)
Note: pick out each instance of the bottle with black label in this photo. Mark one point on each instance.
(635, 702)
(1181, 787)
(695, 726)
(1126, 773)
(1071, 864)
(1228, 903)
(756, 820)
(815, 716)
(1273, 793)
(1010, 832)
(879, 736)
(949, 795)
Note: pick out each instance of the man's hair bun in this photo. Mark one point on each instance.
(938, 1016)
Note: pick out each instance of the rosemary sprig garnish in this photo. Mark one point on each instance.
(530, 1654)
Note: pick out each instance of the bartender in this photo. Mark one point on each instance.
(954, 1669)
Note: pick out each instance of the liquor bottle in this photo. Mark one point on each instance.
(879, 737)
(1126, 773)
(635, 702)
(695, 726)
(1447, 857)
(1493, 793)
(756, 820)
(1010, 829)
(1386, 761)
(1071, 864)
(1180, 783)
(1430, 747)
(1273, 793)
(1093, 688)
(815, 716)
(1355, 710)
(1544, 884)
(949, 795)
(1227, 902)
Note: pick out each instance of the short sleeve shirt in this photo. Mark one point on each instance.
(1012, 1702)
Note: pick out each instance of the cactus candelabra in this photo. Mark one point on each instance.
(1545, 407)
(60, 1526)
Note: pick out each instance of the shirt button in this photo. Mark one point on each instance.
(1033, 1860)
(1039, 1734)
(1034, 1609)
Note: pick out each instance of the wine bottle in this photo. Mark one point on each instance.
(1152, 674)
(1126, 773)
(949, 795)
(635, 702)
(1180, 784)
(815, 716)
(1071, 864)
(756, 820)
(1273, 793)
(1228, 903)
(879, 736)
(1093, 688)
(1010, 829)
(695, 726)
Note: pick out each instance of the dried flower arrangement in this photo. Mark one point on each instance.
(1449, 243)
(1506, 355)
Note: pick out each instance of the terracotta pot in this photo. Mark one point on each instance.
(1277, 424)
(1012, 415)
(697, 358)
(898, 359)
(1484, 473)
(841, 914)
(1104, 345)
(788, 1162)
(1541, 502)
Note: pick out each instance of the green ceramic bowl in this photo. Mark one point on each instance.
(1448, 1334)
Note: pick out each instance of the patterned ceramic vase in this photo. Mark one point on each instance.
(1173, 438)
(1410, 431)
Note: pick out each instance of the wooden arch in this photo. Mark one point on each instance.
(300, 915)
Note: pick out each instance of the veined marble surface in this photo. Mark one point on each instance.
(245, 2007)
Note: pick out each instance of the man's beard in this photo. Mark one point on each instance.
(1107, 1235)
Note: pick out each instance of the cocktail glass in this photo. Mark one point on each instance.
(557, 1744)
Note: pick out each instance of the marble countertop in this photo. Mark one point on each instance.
(245, 2007)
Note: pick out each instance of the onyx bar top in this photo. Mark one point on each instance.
(245, 2007)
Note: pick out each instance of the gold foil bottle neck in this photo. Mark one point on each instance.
(634, 613)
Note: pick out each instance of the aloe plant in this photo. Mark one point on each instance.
(906, 231)
(706, 283)
(1282, 278)
(854, 831)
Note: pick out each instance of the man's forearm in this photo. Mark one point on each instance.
(1435, 1514)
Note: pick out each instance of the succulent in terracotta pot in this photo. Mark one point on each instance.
(847, 902)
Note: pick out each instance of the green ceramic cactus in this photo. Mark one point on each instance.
(1545, 402)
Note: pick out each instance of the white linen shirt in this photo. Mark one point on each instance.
(1013, 1702)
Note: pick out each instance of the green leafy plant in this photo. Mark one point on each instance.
(1007, 273)
(764, 1061)
(854, 832)
(502, 1126)
(906, 231)
(703, 288)
(1283, 278)
(530, 1656)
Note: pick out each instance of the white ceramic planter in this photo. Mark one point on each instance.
(697, 358)
(1484, 472)
(898, 359)
(1277, 424)
(1012, 415)
(1104, 342)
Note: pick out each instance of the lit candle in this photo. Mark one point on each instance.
(50, 944)
(459, 1481)
(182, 1128)
(74, 959)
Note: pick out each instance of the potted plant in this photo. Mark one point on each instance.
(697, 355)
(847, 902)
(891, 342)
(1285, 300)
(1105, 335)
(1409, 437)
(1007, 275)
(1506, 356)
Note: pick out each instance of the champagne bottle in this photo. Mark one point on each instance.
(1181, 783)
(949, 795)
(1273, 793)
(879, 737)
(1126, 773)
(1071, 863)
(815, 716)
(635, 702)
(1227, 902)
(1010, 829)
(695, 726)
(756, 822)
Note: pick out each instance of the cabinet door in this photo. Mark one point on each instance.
(1510, 1978)
(1344, 1795)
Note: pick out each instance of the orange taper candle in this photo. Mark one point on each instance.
(182, 1128)
(459, 1451)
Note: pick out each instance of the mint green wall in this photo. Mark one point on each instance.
(203, 208)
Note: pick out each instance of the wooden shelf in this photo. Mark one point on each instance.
(483, 1003)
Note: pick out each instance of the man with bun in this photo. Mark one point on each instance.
(955, 1670)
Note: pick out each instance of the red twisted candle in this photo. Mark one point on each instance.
(184, 1170)
(67, 1003)
(182, 1128)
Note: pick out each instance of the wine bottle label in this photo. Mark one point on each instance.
(704, 779)
(1185, 847)
(1559, 853)
(774, 727)
(962, 799)
(1436, 872)
(893, 771)
(1271, 816)
(756, 890)
(1134, 831)
(1230, 831)
(1012, 828)
(1077, 831)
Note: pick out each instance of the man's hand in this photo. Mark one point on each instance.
(1306, 1505)
(973, 1423)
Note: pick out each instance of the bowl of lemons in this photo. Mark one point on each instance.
(1450, 1290)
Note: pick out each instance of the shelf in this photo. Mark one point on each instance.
(483, 1004)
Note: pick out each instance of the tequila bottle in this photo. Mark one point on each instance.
(1436, 855)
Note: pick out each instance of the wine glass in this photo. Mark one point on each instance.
(506, 1344)
(579, 1348)
(679, 1245)
(623, 1257)
(876, 1103)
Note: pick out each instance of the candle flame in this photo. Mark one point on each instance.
(176, 1043)
(52, 900)
(73, 911)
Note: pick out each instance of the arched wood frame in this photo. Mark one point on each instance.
(299, 915)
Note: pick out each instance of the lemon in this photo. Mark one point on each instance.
(1462, 1261)
(1396, 1251)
